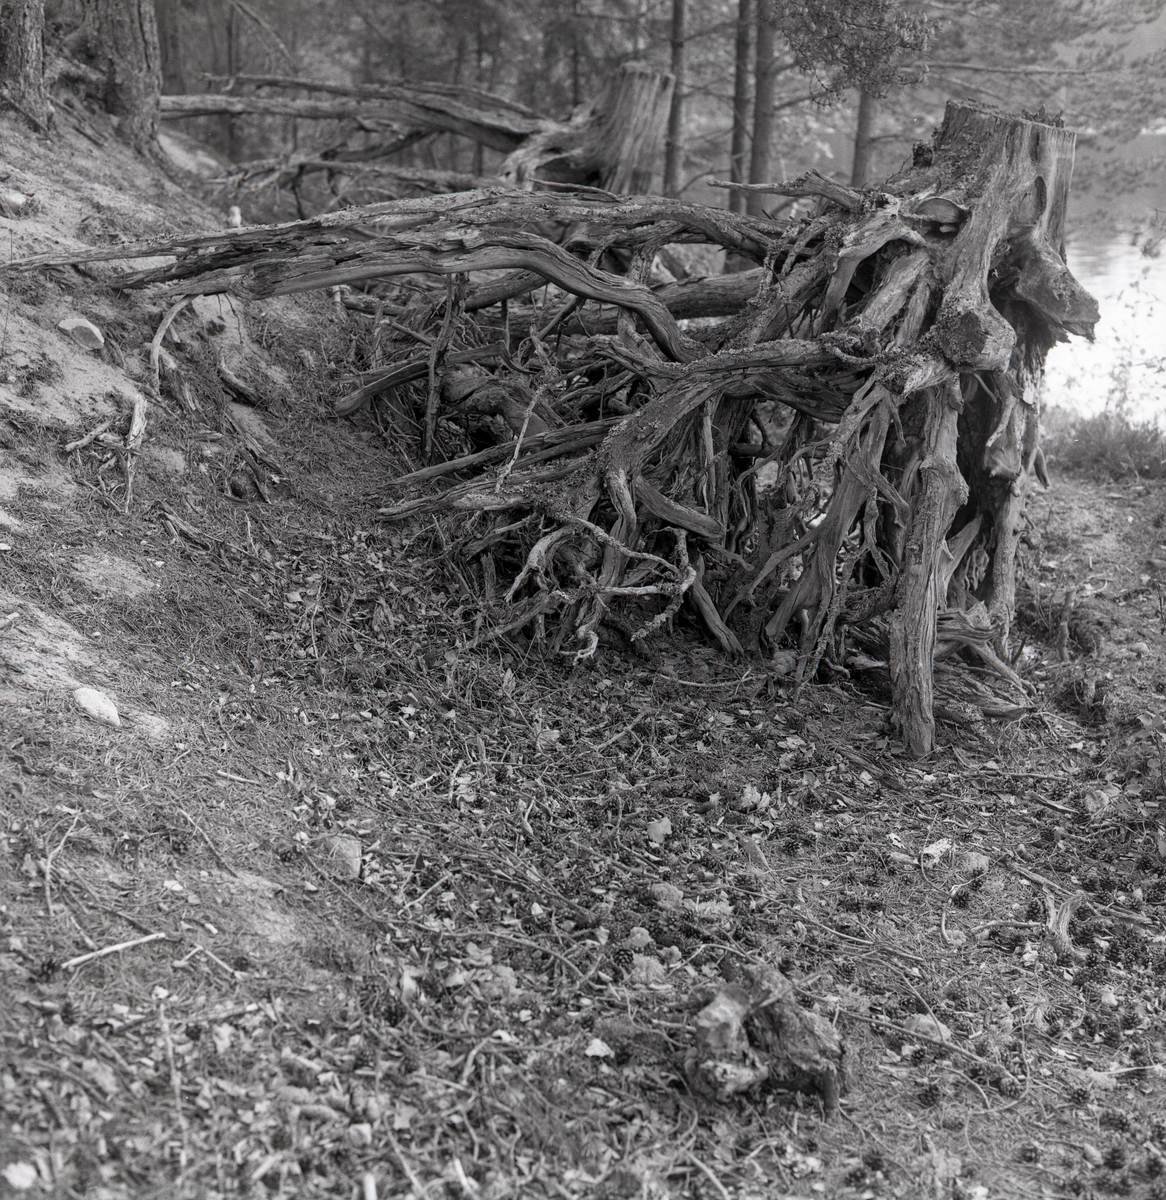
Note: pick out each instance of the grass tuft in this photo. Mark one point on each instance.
(1107, 446)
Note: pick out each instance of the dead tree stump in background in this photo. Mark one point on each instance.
(837, 463)
(612, 143)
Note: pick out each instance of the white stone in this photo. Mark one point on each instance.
(97, 705)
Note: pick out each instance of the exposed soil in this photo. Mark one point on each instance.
(395, 915)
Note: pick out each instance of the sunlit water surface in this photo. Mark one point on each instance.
(1125, 367)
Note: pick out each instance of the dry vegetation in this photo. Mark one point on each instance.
(429, 918)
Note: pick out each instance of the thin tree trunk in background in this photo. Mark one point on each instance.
(479, 82)
(167, 16)
(125, 49)
(740, 141)
(864, 130)
(761, 156)
(674, 147)
(576, 34)
(220, 19)
(22, 60)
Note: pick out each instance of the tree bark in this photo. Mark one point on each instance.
(674, 146)
(863, 146)
(167, 16)
(761, 156)
(22, 67)
(738, 161)
(124, 46)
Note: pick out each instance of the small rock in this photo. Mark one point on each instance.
(342, 853)
(360, 1135)
(666, 895)
(974, 863)
(97, 705)
(83, 332)
(12, 203)
(598, 1048)
(925, 1025)
(646, 971)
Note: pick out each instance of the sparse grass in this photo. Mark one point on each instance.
(1106, 446)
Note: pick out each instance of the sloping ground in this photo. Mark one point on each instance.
(347, 906)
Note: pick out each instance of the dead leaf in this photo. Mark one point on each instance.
(101, 1074)
(403, 1116)
(498, 983)
(546, 739)
(20, 1176)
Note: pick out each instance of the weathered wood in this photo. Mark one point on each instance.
(488, 120)
(919, 593)
(907, 325)
(613, 144)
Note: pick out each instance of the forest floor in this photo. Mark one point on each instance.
(389, 915)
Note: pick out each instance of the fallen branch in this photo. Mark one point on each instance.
(73, 963)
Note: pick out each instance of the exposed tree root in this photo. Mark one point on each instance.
(837, 451)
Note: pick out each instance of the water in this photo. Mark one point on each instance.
(1125, 367)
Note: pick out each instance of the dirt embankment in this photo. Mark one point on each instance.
(343, 903)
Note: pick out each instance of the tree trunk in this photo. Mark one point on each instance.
(167, 16)
(738, 162)
(124, 45)
(674, 146)
(863, 146)
(22, 68)
(761, 157)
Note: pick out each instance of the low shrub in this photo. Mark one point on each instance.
(1108, 445)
